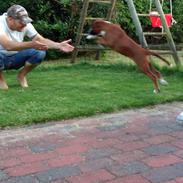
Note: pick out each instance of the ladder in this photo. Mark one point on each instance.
(141, 34)
(83, 19)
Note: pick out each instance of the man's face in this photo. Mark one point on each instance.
(16, 24)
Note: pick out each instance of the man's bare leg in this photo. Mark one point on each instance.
(21, 77)
(3, 84)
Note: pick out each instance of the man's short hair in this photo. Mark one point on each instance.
(20, 13)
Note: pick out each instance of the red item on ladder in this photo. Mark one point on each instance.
(156, 21)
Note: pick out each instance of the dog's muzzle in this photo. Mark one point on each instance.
(93, 35)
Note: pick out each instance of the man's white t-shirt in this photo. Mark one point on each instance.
(16, 36)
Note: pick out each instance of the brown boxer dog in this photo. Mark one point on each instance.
(114, 37)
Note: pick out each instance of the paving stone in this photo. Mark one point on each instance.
(132, 146)
(179, 153)
(161, 161)
(7, 163)
(160, 175)
(73, 149)
(100, 153)
(97, 164)
(27, 169)
(129, 156)
(128, 137)
(58, 173)
(175, 126)
(179, 179)
(171, 181)
(71, 127)
(38, 157)
(159, 139)
(178, 144)
(37, 148)
(13, 152)
(26, 179)
(65, 160)
(3, 175)
(112, 126)
(179, 166)
(160, 149)
(105, 143)
(158, 130)
(92, 177)
(177, 134)
(134, 167)
(59, 181)
(130, 179)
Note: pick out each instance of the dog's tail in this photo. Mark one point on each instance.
(159, 56)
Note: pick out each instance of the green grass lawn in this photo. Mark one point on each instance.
(60, 91)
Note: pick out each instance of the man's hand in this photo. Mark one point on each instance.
(65, 46)
(42, 43)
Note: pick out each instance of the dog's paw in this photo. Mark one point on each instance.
(156, 91)
(163, 82)
(171, 65)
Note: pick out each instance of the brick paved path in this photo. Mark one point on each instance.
(132, 146)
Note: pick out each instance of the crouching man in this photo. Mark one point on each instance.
(15, 53)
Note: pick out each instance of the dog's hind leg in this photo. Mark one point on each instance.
(147, 71)
(154, 79)
(162, 81)
(156, 72)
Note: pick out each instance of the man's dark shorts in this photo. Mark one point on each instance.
(19, 59)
